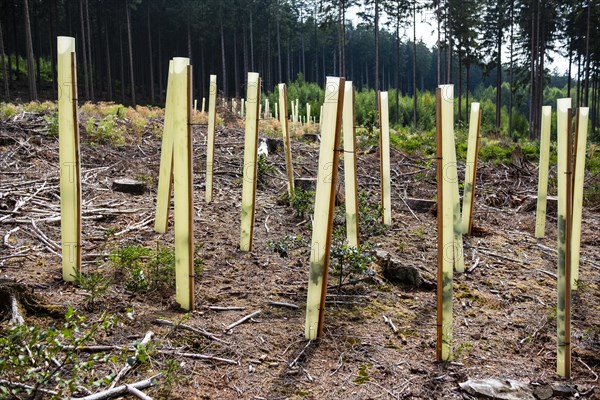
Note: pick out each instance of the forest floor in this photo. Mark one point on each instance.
(504, 305)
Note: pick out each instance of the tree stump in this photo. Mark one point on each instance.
(16, 299)
(130, 186)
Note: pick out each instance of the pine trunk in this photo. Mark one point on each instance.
(122, 64)
(86, 76)
(108, 64)
(130, 53)
(586, 89)
(5, 76)
(30, 57)
(499, 80)
(414, 66)
(89, 50)
(376, 28)
(151, 59)
(224, 79)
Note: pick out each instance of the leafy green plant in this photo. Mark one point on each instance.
(52, 121)
(302, 202)
(284, 245)
(264, 169)
(106, 130)
(94, 283)
(7, 110)
(350, 262)
(45, 362)
(370, 215)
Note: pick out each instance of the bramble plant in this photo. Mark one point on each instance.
(369, 215)
(95, 283)
(302, 202)
(264, 169)
(351, 261)
(284, 245)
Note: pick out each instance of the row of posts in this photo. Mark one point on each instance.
(337, 116)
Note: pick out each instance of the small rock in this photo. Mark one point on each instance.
(396, 271)
(563, 390)
(543, 392)
(493, 388)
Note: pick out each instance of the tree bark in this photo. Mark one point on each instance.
(251, 44)
(130, 53)
(150, 57)
(235, 65)
(414, 71)
(86, 76)
(587, 55)
(108, 64)
(376, 27)
(279, 69)
(122, 64)
(5, 76)
(30, 57)
(510, 95)
(499, 79)
(89, 49)
(224, 79)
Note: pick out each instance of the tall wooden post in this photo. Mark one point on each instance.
(165, 172)
(578, 180)
(210, 144)
(70, 173)
(283, 119)
(564, 172)
(471, 168)
(250, 159)
(446, 176)
(350, 179)
(384, 146)
(324, 206)
(540, 215)
(183, 177)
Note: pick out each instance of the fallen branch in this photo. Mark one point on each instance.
(547, 273)
(390, 323)
(7, 236)
(241, 321)
(280, 304)
(120, 390)
(199, 356)
(199, 331)
(475, 265)
(16, 318)
(129, 367)
(218, 308)
(300, 354)
(137, 393)
(26, 387)
(489, 253)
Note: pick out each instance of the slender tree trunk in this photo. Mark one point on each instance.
(89, 50)
(5, 76)
(303, 65)
(130, 53)
(279, 67)
(53, 20)
(223, 60)
(86, 76)
(459, 86)
(122, 64)
(499, 80)
(150, 57)
(510, 95)
(251, 44)
(30, 57)
(587, 55)
(414, 69)
(289, 62)
(160, 68)
(569, 68)
(578, 93)
(36, 29)
(468, 66)
(235, 64)
(532, 75)
(245, 48)
(376, 27)
(108, 63)
(397, 72)
(15, 42)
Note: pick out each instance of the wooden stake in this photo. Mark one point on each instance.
(564, 171)
(267, 111)
(446, 253)
(324, 206)
(242, 108)
(165, 172)
(70, 173)
(183, 175)
(471, 169)
(578, 180)
(210, 145)
(286, 137)
(308, 113)
(203, 104)
(250, 158)
(384, 153)
(540, 215)
(350, 179)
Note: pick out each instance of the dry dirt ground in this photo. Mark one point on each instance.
(504, 308)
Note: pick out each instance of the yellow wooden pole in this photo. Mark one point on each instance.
(563, 308)
(578, 180)
(308, 113)
(183, 175)
(540, 215)
(70, 173)
(210, 145)
(165, 172)
(283, 119)
(324, 206)
(350, 179)
(250, 159)
(471, 168)
(449, 180)
(384, 146)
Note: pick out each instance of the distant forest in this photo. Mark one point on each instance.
(123, 46)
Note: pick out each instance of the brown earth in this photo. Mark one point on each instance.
(504, 308)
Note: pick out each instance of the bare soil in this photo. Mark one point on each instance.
(504, 308)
